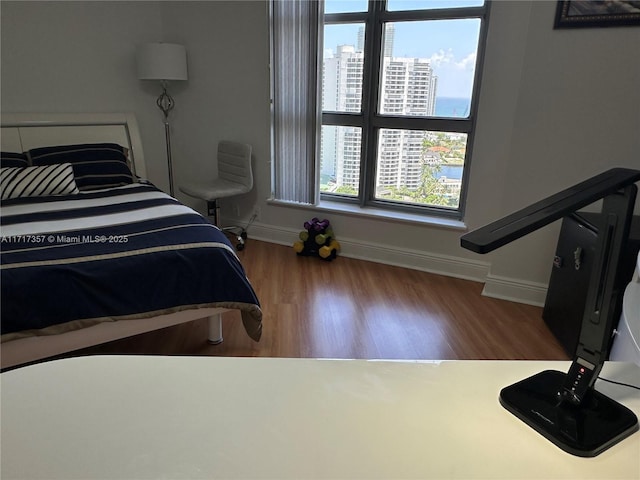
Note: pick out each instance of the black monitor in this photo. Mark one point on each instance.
(564, 407)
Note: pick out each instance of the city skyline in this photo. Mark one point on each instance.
(427, 69)
(408, 87)
(450, 46)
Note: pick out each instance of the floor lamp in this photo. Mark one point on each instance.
(163, 62)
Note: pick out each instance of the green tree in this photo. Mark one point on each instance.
(346, 190)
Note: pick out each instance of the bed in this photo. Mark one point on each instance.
(92, 252)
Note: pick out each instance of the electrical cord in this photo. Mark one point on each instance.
(619, 383)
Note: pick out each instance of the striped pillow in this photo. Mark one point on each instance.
(16, 182)
(11, 159)
(96, 165)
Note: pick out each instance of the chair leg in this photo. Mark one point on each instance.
(213, 210)
(240, 237)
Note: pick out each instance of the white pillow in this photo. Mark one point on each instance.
(16, 182)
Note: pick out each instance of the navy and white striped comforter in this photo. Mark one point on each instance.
(123, 253)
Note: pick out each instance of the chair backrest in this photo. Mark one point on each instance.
(234, 163)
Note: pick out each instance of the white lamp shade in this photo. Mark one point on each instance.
(162, 61)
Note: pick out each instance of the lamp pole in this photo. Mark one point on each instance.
(164, 62)
(166, 104)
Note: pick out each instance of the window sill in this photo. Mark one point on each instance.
(375, 214)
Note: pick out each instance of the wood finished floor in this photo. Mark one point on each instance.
(356, 309)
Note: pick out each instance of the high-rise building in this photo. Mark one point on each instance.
(408, 87)
(389, 34)
(342, 92)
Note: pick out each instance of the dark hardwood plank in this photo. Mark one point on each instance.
(350, 308)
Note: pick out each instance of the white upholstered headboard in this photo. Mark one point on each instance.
(24, 131)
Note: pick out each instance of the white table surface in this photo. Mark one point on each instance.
(203, 417)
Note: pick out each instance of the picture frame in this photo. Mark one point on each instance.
(597, 13)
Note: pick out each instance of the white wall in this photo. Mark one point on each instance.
(227, 96)
(556, 107)
(577, 114)
(79, 57)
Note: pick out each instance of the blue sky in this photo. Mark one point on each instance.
(450, 44)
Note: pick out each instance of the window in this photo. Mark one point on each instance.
(397, 94)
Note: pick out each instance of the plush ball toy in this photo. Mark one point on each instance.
(317, 239)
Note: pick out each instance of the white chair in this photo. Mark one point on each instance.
(235, 177)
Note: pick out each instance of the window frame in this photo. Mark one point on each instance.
(372, 122)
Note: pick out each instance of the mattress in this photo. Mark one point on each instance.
(122, 253)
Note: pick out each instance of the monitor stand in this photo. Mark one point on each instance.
(584, 430)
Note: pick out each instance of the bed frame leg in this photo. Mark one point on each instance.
(215, 329)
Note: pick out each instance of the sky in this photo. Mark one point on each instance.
(450, 44)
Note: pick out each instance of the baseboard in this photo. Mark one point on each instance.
(515, 290)
(504, 288)
(390, 255)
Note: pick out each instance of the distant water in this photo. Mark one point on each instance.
(452, 107)
(450, 171)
